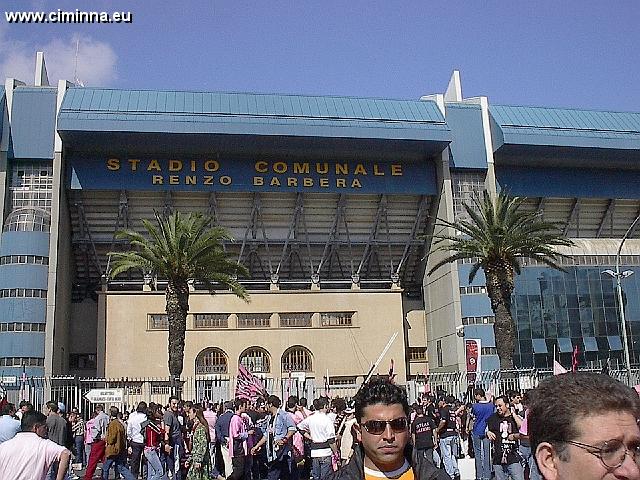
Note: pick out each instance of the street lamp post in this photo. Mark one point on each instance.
(618, 275)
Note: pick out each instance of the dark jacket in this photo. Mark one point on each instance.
(422, 468)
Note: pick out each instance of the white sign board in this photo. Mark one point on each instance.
(12, 380)
(111, 395)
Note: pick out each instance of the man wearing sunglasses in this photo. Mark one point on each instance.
(585, 426)
(382, 430)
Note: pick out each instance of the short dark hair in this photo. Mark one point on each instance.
(173, 397)
(8, 409)
(113, 411)
(53, 406)
(380, 390)
(100, 407)
(302, 402)
(273, 400)
(142, 407)
(239, 402)
(504, 398)
(292, 401)
(479, 391)
(419, 410)
(560, 402)
(320, 403)
(30, 419)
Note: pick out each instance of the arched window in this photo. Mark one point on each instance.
(297, 359)
(211, 360)
(256, 360)
(28, 220)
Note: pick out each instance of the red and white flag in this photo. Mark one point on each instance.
(574, 359)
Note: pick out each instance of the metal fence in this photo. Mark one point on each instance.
(72, 390)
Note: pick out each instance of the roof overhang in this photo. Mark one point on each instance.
(93, 118)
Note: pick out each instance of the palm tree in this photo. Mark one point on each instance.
(498, 234)
(181, 248)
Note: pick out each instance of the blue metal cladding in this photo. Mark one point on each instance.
(22, 344)
(33, 117)
(475, 305)
(467, 147)
(24, 276)
(95, 109)
(24, 243)
(23, 310)
(483, 332)
(247, 175)
(567, 127)
(568, 182)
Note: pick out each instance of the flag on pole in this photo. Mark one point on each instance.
(558, 369)
(574, 359)
(248, 385)
(392, 374)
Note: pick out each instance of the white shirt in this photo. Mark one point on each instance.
(133, 427)
(320, 427)
(28, 457)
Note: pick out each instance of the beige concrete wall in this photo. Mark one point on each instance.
(131, 350)
(441, 289)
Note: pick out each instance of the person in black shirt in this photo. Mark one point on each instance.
(502, 430)
(422, 432)
(448, 432)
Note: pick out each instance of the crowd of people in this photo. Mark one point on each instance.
(572, 426)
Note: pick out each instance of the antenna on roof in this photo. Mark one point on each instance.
(75, 66)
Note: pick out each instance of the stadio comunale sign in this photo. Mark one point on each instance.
(121, 172)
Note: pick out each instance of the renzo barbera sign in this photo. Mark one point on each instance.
(242, 175)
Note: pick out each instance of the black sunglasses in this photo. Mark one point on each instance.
(377, 427)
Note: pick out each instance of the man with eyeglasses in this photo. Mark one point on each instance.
(382, 430)
(585, 426)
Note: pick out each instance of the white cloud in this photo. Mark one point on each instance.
(96, 60)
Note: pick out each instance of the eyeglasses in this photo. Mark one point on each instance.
(612, 452)
(377, 427)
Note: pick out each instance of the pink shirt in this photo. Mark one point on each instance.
(236, 429)
(298, 439)
(211, 418)
(28, 457)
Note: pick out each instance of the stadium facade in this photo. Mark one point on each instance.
(330, 200)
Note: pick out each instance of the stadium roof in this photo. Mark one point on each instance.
(557, 127)
(143, 111)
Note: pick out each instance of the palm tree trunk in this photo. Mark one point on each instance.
(177, 297)
(499, 288)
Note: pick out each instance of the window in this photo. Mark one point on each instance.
(82, 361)
(439, 353)
(211, 360)
(488, 351)
(417, 354)
(473, 290)
(465, 185)
(22, 327)
(160, 388)
(342, 381)
(254, 320)
(256, 360)
(158, 321)
(336, 319)
(20, 361)
(297, 359)
(295, 319)
(478, 320)
(210, 320)
(28, 220)
(24, 259)
(23, 292)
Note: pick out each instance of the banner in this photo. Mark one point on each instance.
(188, 173)
(472, 353)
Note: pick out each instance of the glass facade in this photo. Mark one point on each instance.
(579, 305)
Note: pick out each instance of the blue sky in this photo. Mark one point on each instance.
(582, 54)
